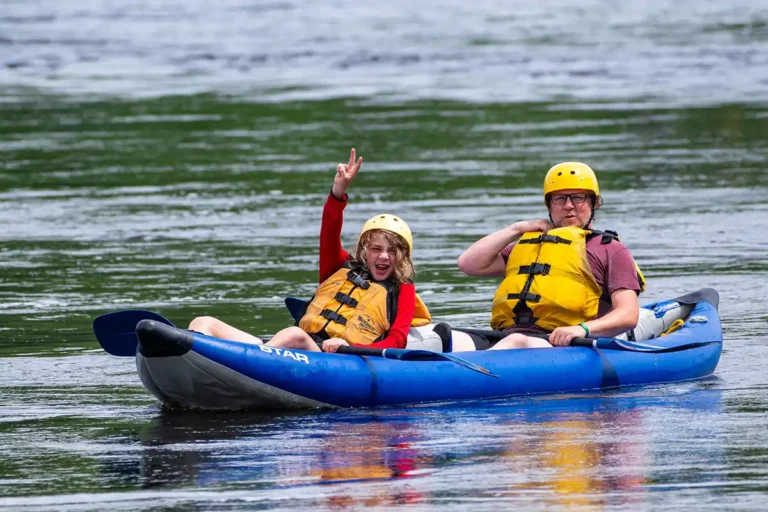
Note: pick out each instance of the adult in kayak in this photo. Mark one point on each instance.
(365, 300)
(561, 277)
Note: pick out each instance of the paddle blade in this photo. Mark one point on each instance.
(413, 355)
(116, 331)
(426, 355)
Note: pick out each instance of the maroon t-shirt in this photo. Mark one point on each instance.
(612, 266)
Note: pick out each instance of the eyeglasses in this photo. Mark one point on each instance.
(560, 199)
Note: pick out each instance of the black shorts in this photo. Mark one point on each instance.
(480, 341)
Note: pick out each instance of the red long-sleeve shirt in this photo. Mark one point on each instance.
(333, 257)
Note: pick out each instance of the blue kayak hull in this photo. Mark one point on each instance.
(221, 374)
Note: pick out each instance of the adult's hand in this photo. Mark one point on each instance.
(345, 174)
(333, 344)
(483, 258)
(562, 336)
(528, 226)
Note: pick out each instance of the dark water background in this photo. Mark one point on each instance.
(175, 156)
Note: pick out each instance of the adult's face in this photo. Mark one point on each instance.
(570, 207)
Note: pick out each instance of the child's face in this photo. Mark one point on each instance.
(381, 259)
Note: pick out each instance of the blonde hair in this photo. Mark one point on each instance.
(404, 270)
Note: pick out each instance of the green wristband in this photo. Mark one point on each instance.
(586, 329)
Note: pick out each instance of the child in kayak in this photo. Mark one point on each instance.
(365, 299)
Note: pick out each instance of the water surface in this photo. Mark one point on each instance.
(175, 157)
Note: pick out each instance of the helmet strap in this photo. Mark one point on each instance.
(591, 217)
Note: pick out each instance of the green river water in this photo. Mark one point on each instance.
(175, 157)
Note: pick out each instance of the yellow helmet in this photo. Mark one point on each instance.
(392, 224)
(568, 175)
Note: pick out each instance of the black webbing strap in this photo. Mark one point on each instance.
(524, 320)
(525, 297)
(554, 239)
(523, 315)
(608, 236)
(317, 338)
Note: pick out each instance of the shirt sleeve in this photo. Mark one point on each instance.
(621, 273)
(398, 332)
(505, 252)
(332, 255)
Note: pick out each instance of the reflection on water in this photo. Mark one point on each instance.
(583, 452)
(231, 451)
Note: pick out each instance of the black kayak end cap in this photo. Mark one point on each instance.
(704, 295)
(157, 339)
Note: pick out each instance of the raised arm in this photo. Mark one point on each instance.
(483, 258)
(332, 255)
(345, 174)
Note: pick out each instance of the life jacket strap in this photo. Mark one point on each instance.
(607, 236)
(358, 280)
(522, 314)
(525, 320)
(554, 239)
(317, 338)
(535, 269)
(346, 299)
(333, 316)
(525, 297)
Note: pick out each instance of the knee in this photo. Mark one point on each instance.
(291, 337)
(202, 324)
(295, 333)
(512, 341)
(518, 341)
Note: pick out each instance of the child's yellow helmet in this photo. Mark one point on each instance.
(392, 224)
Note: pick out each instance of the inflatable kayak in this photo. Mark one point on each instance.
(189, 370)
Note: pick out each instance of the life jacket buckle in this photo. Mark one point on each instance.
(333, 316)
(535, 269)
(346, 299)
(526, 297)
(554, 239)
(358, 280)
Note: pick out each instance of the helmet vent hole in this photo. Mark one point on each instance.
(560, 173)
(573, 172)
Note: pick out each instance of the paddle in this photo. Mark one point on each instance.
(412, 355)
(597, 343)
(630, 346)
(116, 331)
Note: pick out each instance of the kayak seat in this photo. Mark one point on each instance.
(296, 307)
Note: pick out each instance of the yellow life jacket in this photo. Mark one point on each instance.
(549, 282)
(356, 309)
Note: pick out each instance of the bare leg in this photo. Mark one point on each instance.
(462, 342)
(293, 337)
(215, 327)
(518, 340)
